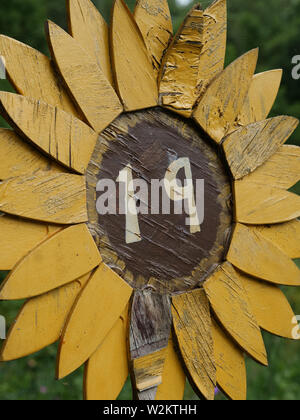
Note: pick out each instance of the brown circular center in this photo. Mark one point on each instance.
(158, 247)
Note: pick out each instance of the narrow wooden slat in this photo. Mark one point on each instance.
(89, 28)
(221, 103)
(269, 306)
(259, 204)
(230, 304)
(107, 369)
(253, 254)
(33, 75)
(193, 327)
(98, 308)
(134, 75)
(45, 196)
(40, 321)
(148, 371)
(64, 257)
(62, 136)
(261, 97)
(249, 147)
(154, 21)
(230, 362)
(86, 82)
(179, 71)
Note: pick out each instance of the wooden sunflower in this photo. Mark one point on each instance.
(168, 301)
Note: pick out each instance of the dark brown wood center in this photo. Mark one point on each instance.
(168, 256)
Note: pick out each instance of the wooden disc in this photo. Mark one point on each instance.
(160, 250)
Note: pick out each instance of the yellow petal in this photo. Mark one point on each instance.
(64, 257)
(148, 371)
(97, 310)
(253, 254)
(231, 306)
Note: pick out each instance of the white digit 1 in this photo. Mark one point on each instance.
(133, 233)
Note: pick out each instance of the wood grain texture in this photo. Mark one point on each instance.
(32, 74)
(89, 28)
(96, 311)
(134, 75)
(86, 82)
(64, 257)
(249, 147)
(234, 312)
(148, 370)
(230, 363)
(253, 254)
(55, 132)
(222, 102)
(45, 196)
(261, 97)
(259, 204)
(40, 321)
(107, 369)
(193, 327)
(179, 70)
(269, 306)
(154, 21)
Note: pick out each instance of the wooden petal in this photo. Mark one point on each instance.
(97, 310)
(253, 254)
(269, 306)
(32, 74)
(179, 71)
(258, 204)
(64, 257)
(89, 28)
(134, 75)
(174, 379)
(148, 371)
(154, 21)
(221, 103)
(40, 321)
(230, 303)
(231, 368)
(249, 147)
(45, 196)
(282, 170)
(62, 136)
(261, 97)
(192, 323)
(107, 369)
(87, 84)
(214, 44)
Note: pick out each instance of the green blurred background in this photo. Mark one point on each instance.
(274, 26)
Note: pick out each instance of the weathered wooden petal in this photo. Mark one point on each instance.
(87, 84)
(253, 254)
(259, 204)
(98, 308)
(230, 362)
(134, 75)
(64, 257)
(89, 28)
(269, 306)
(107, 369)
(231, 306)
(174, 379)
(40, 321)
(249, 147)
(178, 87)
(45, 196)
(33, 75)
(193, 327)
(282, 170)
(261, 97)
(221, 103)
(214, 44)
(62, 136)
(155, 23)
